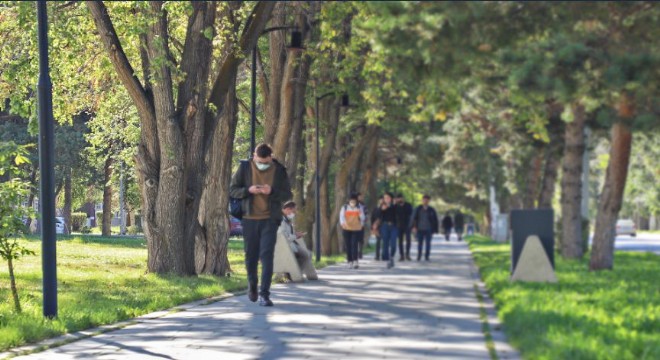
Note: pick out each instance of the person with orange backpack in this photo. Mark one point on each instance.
(352, 220)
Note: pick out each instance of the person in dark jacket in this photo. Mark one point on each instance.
(263, 186)
(403, 212)
(459, 224)
(386, 227)
(424, 223)
(447, 224)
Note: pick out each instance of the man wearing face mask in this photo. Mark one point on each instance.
(293, 238)
(263, 186)
(351, 218)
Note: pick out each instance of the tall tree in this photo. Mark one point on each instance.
(179, 108)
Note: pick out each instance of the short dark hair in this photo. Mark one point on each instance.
(353, 196)
(426, 197)
(388, 194)
(263, 150)
(288, 205)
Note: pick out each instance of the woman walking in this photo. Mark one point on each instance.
(352, 220)
(386, 226)
(447, 224)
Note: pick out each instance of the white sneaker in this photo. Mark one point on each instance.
(350, 264)
(356, 265)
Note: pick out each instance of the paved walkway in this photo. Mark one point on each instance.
(417, 310)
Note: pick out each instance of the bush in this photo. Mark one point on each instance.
(99, 217)
(85, 229)
(133, 230)
(78, 220)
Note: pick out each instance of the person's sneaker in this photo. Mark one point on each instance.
(390, 264)
(427, 259)
(265, 301)
(401, 258)
(356, 265)
(350, 264)
(408, 258)
(252, 292)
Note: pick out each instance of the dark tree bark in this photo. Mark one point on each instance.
(571, 184)
(533, 179)
(67, 201)
(212, 245)
(553, 155)
(602, 254)
(107, 198)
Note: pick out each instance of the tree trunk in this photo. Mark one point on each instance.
(343, 175)
(553, 155)
(33, 192)
(533, 178)
(296, 151)
(571, 184)
(602, 254)
(14, 290)
(329, 113)
(107, 198)
(211, 245)
(67, 201)
(278, 61)
(292, 92)
(368, 186)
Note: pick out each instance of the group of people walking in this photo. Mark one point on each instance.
(260, 193)
(394, 219)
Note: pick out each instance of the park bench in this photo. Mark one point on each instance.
(285, 261)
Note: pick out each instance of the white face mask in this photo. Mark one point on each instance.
(262, 167)
(291, 216)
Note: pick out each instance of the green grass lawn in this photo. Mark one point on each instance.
(103, 280)
(587, 315)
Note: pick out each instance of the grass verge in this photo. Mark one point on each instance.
(103, 280)
(586, 315)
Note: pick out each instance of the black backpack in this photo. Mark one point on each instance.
(236, 205)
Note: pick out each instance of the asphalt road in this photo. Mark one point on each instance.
(643, 242)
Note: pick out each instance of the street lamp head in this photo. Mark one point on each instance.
(296, 40)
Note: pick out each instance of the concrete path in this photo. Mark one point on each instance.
(417, 310)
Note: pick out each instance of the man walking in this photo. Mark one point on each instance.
(447, 224)
(403, 212)
(424, 223)
(263, 185)
(459, 223)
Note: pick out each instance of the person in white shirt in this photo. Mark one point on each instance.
(352, 220)
(286, 229)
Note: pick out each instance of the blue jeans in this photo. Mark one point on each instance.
(389, 234)
(424, 236)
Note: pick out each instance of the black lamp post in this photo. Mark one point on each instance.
(46, 150)
(296, 44)
(344, 104)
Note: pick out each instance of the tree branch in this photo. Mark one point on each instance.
(255, 24)
(118, 57)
